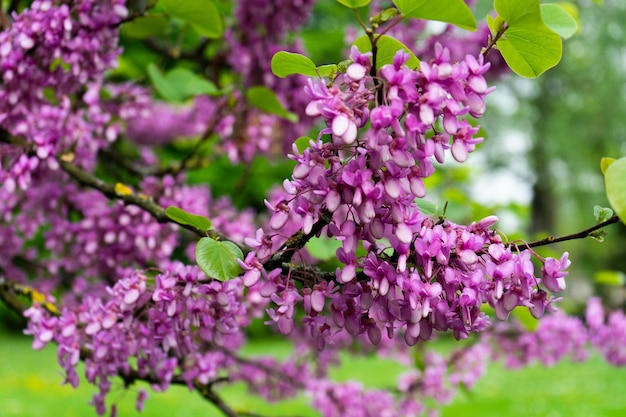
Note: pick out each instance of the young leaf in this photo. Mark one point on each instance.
(495, 24)
(265, 99)
(528, 46)
(449, 11)
(218, 259)
(386, 50)
(181, 216)
(288, 63)
(202, 15)
(354, 4)
(605, 163)
(559, 20)
(384, 16)
(615, 182)
(602, 214)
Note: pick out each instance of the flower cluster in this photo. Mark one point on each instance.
(50, 54)
(556, 336)
(418, 275)
(147, 330)
(607, 332)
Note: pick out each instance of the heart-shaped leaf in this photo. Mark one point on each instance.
(528, 46)
(218, 259)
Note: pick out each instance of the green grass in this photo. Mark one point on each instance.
(30, 387)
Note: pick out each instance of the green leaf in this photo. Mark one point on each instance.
(426, 207)
(615, 182)
(165, 89)
(218, 259)
(190, 83)
(323, 248)
(528, 46)
(384, 16)
(605, 163)
(288, 63)
(559, 20)
(602, 214)
(181, 216)
(598, 235)
(449, 11)
(180, 84)
(610, 277)
(146, 26)
(354, 4)
(327, 70)
(387, 48)
(265, 99)
(495, 24)
(202, 15)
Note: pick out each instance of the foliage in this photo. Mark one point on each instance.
(116, 250)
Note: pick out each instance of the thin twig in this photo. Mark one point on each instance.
(297, 242)
(494, 40)
(580, 235)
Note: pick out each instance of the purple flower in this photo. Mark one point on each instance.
(553, 273)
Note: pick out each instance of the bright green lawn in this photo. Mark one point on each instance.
(30, 387)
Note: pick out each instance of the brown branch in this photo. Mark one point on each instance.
(207, 392)
(580, 235)
(297, 242)
(143, 201)
(494, 40)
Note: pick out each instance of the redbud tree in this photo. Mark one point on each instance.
(113, 117)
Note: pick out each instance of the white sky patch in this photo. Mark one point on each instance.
(501, 187)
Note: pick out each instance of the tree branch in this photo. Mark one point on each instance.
(580, 235)
(207, 392)
(297, 242)
(128, 197)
